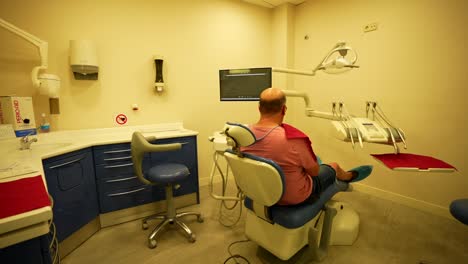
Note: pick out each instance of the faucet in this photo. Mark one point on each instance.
(25, 142)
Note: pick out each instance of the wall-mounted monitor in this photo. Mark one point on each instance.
(243, 84)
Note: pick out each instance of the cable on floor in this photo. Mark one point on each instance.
(224, 203)
(54, 245)
(236, 256)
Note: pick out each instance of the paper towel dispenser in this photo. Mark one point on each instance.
(83, 60)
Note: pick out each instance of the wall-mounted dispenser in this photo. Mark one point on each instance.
(83, 60)
(159, 82)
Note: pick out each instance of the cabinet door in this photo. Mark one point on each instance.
(71, 183)
(187, 155)
(33, 251)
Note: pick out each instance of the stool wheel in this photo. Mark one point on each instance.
(200, 219)
(152, 243)
(192, 238)
(144, 226)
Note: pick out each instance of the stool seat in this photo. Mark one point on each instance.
(167, 173)
(459, 210)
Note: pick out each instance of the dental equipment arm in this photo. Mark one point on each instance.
(337, 65)
(308, 110)
(355, 129)
(220, 144)
(396, 135)
(37, 80)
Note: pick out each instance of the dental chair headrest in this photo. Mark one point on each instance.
(240, 135)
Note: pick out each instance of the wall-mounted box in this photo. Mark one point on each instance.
(19, 112)
(83, 60)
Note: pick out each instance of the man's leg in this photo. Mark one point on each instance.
(341, 174)
(326, 177)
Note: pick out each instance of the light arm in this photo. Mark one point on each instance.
(300, 72)
(40, 44)
(46, 85)
(309, 111)
(336, 65)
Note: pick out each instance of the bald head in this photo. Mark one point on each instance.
(272, 101)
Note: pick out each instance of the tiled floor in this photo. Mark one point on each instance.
(389, 233)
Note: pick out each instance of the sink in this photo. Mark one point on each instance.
(48, 146)
(41, 147)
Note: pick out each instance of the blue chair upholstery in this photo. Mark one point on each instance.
(294, 216)
(167, 173)
(459, 210)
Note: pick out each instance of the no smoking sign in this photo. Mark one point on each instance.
(121, 119)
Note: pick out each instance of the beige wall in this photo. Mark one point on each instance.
(196, 38)
(413, 66)
(283, 41)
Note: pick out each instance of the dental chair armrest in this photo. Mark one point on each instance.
(262, 211)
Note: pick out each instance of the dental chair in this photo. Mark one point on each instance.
(285, 234)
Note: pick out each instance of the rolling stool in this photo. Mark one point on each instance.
(168, 174)
(459, 210)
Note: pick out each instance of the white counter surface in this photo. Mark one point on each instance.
(16, 164)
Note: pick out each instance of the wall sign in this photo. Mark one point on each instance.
(121, 119)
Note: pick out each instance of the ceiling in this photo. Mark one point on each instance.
(273, 3)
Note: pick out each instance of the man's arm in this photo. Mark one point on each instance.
(307, 160)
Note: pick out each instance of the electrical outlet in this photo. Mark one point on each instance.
(370, 27)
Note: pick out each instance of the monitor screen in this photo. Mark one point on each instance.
(243, 84)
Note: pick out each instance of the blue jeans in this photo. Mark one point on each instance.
(325, 178)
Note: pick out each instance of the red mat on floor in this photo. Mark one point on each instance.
(22, 195)
(406, 161)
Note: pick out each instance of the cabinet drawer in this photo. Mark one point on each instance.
(186, 155)
(117, 183)
(118, 170)
(128, 197)
(109, 170)
(111, 154)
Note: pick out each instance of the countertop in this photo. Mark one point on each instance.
(16, 164)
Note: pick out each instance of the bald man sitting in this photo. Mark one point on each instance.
(291, 149)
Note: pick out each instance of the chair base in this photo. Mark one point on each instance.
(170, 217)
(304, 256)
(339, 225)
(170, 220)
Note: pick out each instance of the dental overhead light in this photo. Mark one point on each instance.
(48, 84)
(337, 60)
(348, 127)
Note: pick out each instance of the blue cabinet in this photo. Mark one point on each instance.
(33, 251)
(71, 183)
(100, 179)
(118, 186)
(186, 155)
